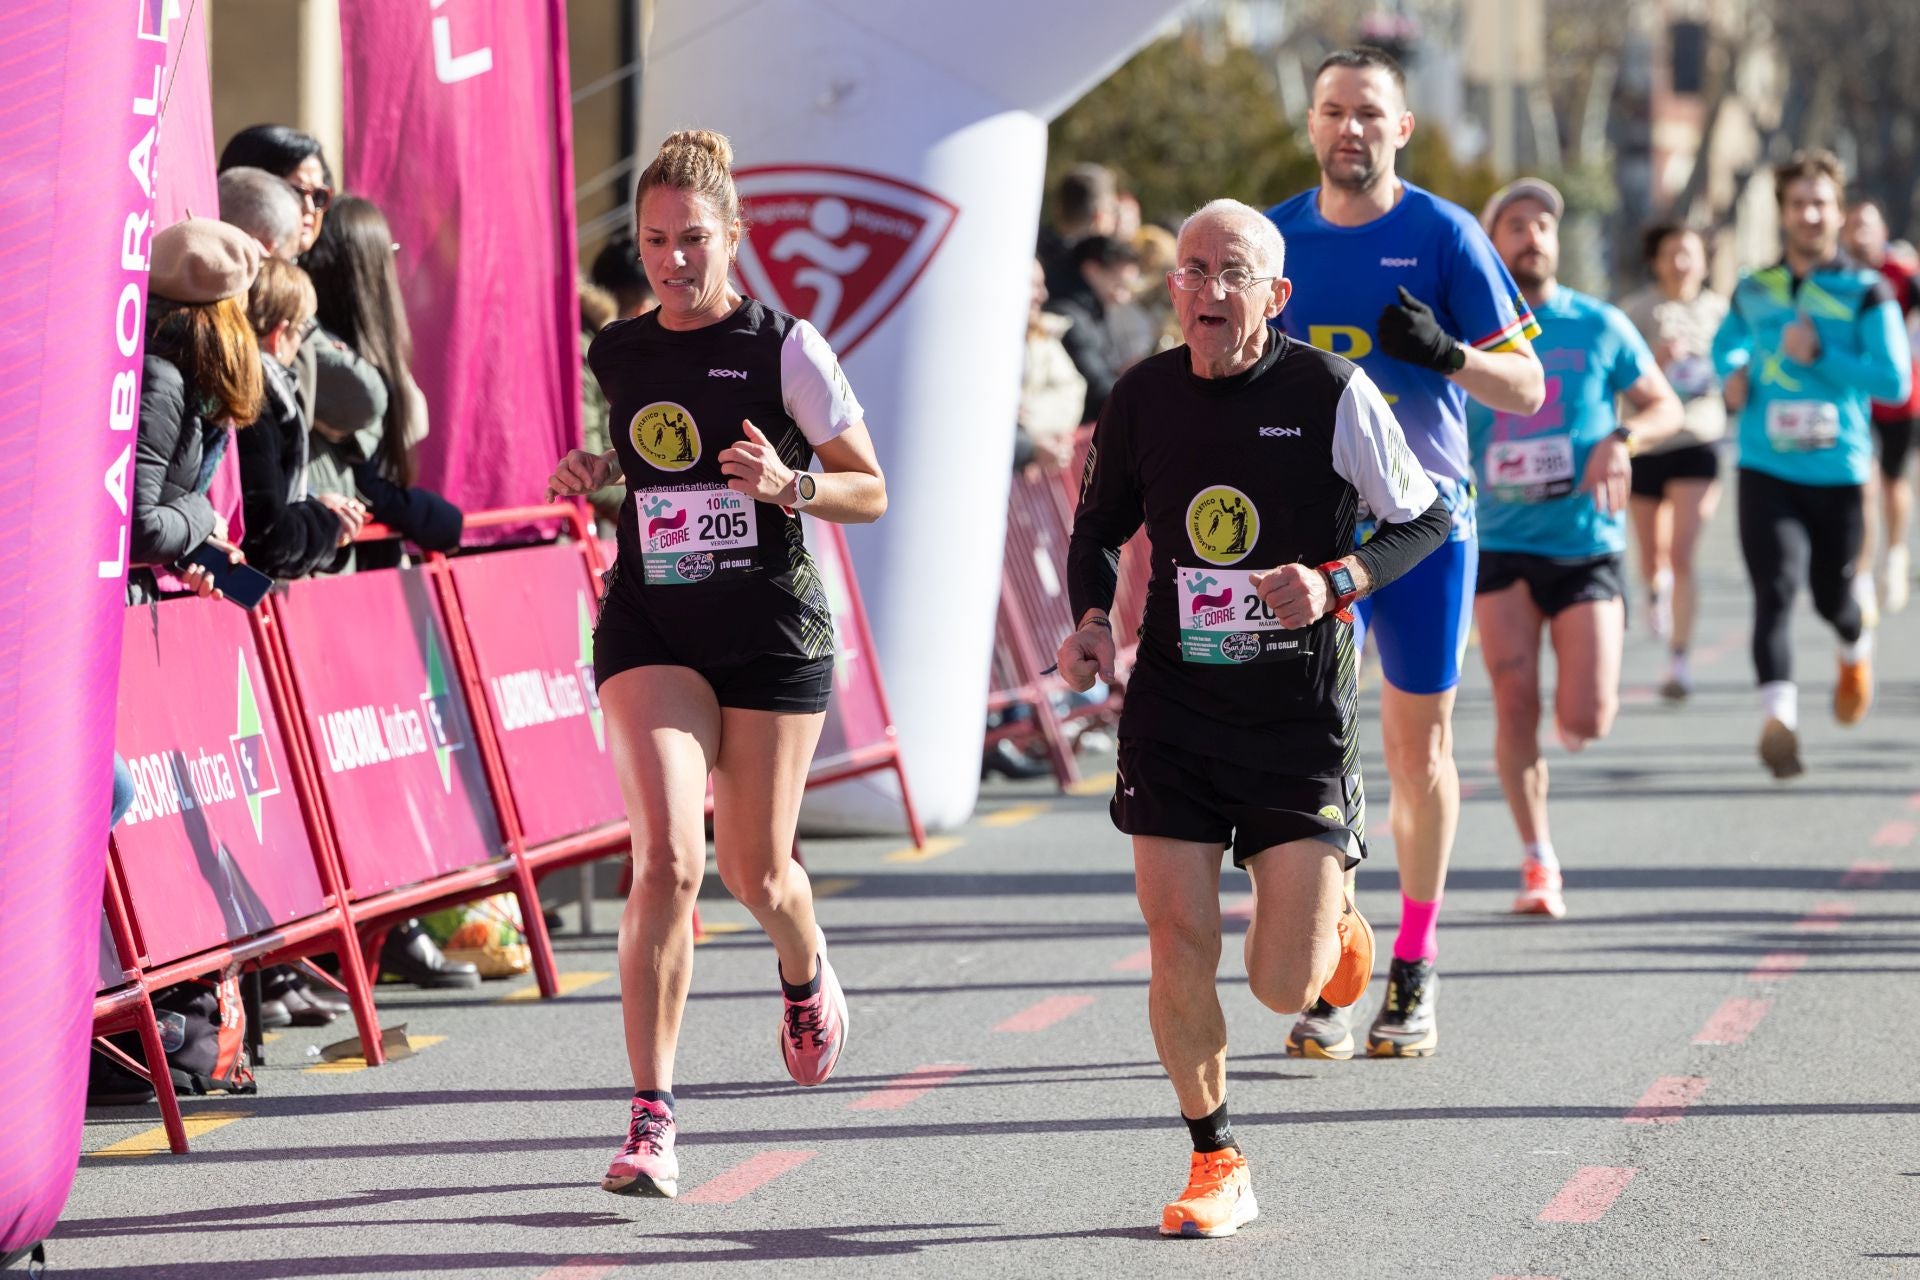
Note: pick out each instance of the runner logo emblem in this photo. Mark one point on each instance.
(837, 247)
(665, 436)
(1222, 525)
(1332, 814)
(1241, 646)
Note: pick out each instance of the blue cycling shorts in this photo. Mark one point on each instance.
(1420, 620)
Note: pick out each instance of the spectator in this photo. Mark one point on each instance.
(1107, 272)
(201, 376)
(616, 269)
(1086, 203)
(289, 534)
(263, 206)
(293, 156)
(598, 309)
(1052, 392)
(359, 300)
(1155, 245)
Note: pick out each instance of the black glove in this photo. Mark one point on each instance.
(1410, 332)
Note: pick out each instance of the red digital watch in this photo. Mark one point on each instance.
(1340, 580)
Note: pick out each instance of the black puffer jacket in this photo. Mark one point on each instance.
(170, 518)
(289, 535)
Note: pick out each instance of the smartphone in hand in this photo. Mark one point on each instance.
(243, 584)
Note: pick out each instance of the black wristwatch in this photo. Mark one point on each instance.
(1457, 358)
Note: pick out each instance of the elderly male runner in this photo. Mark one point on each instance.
(1405, 285)
(1552, 504)
(1247, 455)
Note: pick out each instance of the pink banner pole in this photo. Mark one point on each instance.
(82, 90)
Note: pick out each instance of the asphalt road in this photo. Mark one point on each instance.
(1707, 1069)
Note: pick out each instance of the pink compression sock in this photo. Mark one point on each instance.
(1418, 920)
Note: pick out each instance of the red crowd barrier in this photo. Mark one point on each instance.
(396, 741)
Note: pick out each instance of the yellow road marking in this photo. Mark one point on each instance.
(709, 929)
(1015, 816)
(346, 1065)
(569, 983)
(833, 885)
(1098, 784)
(154, 1141)
(936, 845)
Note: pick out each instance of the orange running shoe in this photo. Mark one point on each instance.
(1355, 970)
(1854, 692)
(1218, 1200)
(1539, 892)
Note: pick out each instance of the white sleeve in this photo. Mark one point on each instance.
(1370, 452)
(813, 388)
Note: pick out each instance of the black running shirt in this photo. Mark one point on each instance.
(711, 566)
(1232, 475)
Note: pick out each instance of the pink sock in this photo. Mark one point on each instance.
(1418, 920)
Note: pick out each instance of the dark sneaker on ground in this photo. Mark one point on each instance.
(1406, 1026)
(1780, 750)
(646, 1165)
(1322, 1031)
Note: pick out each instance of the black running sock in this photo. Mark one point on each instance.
(811, 989)
(656, 1095)
(1213, 1132)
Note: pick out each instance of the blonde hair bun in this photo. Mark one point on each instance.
(707, 140)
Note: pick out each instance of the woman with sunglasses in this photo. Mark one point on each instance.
(294, 157)
(714, 651)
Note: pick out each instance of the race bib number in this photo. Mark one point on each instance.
(1530, 470)
(693, 535)
(1223, 621)
(1802, 426)
(1691, 376)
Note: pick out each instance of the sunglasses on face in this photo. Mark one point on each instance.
(317, 197)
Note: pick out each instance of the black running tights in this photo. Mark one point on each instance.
(1789, 532)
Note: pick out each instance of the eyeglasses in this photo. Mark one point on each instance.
(1232, 280)
(318, 197)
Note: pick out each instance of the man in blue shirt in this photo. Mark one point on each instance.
(1806, 345)
(1552, 497)
(1406, 285)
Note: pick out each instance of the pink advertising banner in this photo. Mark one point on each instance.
(186, 178)
(80, 92)
(530, 616)
(459, 127)
(856, 719)
(391, 737)
(215, 847)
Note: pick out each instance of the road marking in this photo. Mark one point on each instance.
(1733, 1021)
(1865, 873)
(568, 983)
(1666, 1099)
(1241, 910)
(1043, 1015)
(711, 929)
(1824, 917)
(935, 847)
(1897, 834)
(346, 1066)
(1638, 695)
(582, 1269)
(1101, 784)
(1913, 801)
(152, 1142)
(1140, 961)
(1777, 966)
(1015, 816)
(910, 1087)
(833, 886)
(1588, 1194)
(746, 1177)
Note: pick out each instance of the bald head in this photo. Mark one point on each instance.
(1265, 252)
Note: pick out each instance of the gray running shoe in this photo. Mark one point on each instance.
(1323, 1031)
(1780, 750)
(1406, 1026)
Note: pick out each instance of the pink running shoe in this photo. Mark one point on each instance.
(646, 1165)
(1539, 892)
(814, 1030)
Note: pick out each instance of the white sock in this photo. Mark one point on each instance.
(1677, 667)
(1858, 649)
(1541, 851)
(1780, 700)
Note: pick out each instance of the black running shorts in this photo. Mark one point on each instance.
(1894, 439)
(1553, 584)
(1164, 790)
(626, 637)
(1653, 472)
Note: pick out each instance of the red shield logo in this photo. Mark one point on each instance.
(836, 247)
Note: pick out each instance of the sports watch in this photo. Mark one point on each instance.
(1340, 578)
(804, 489)
(1456, 358)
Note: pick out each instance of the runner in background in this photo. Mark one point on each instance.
(1805, 345)
(714, 649)
(1553, 492)
(1864, 236)
(1676, 485)
(1405, 284)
